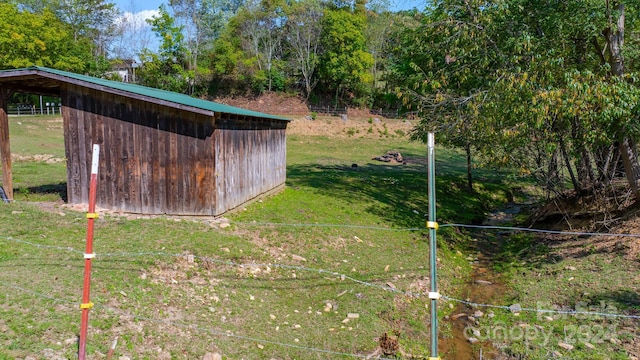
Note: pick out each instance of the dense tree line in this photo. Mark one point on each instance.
(322, 50)
(550, 87)
(331, 51)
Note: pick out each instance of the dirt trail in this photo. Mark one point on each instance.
(483, 287)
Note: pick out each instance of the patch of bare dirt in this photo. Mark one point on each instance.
(351, 127)
(356, 123)
(283, 104)
(270, 103)
(46, 158)
(612, 213)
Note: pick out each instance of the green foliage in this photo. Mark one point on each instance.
(530, 84)
(304, 27)
(284, 46)
(91, 22)
(345, 63)
(39, 39)
(228, 55)
(246, 56)
(166, 69)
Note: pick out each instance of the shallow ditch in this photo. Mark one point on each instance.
(484, 287)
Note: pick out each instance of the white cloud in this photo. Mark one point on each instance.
(138, 19)
(133, 34)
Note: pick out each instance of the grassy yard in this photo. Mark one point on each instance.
(595, 276)
(308, 273)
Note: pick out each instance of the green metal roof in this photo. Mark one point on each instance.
(162, 95)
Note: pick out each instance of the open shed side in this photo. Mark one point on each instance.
(161, 152)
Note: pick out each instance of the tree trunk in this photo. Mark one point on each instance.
(5, 148)
(574, 181)
(604, 156)
(585, 170)
(630, 161)
(615, 39)
(616, 42)
(553, 175)
(467, 149)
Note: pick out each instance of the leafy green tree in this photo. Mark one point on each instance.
(39, 39)
(559, 75)
(202, 21)
(537, 85)
(87, 19)
(377, 34)
(447, 65)
(261, 29)
(345, 64)
(167, 68)
(303, 30)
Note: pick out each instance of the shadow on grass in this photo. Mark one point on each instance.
(621, 299)
(59, 189)
(395, 192)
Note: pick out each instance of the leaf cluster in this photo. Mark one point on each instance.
(525, 83)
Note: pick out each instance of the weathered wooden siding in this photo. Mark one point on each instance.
(154, 159)
(250, 159)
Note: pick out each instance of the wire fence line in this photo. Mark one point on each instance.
(543, 311)
(453, 225)
(189, 326)
(541, 231)
(352, 279)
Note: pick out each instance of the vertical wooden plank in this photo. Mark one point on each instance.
(65, 111)
(69, 104)
(5, 146)
(244, 160)
(145, 157)
(220, 178)
(121, 157)
(186, 122)
(84, 149)
(172, 165)
(108, 152)
(135, 148)
(98, 138)
(72, 147)
(130, 147)
(89, 102)
(204, 173)
(259, 143)
(154, 160)
(230, 166)
(184, 162)
(195, 190)
(196, 174)
(161, 150)
(210, 179)
(264, 137)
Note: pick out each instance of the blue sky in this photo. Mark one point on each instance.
(135, 6)
(138, 34)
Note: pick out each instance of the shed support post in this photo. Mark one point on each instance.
(5, 148)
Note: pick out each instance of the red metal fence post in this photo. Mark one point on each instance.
(88, 255)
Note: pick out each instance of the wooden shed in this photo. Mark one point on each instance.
(161, 152)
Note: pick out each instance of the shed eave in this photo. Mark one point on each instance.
(155, 96)
(129, 94)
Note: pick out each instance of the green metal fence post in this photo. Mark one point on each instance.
(433, 226)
